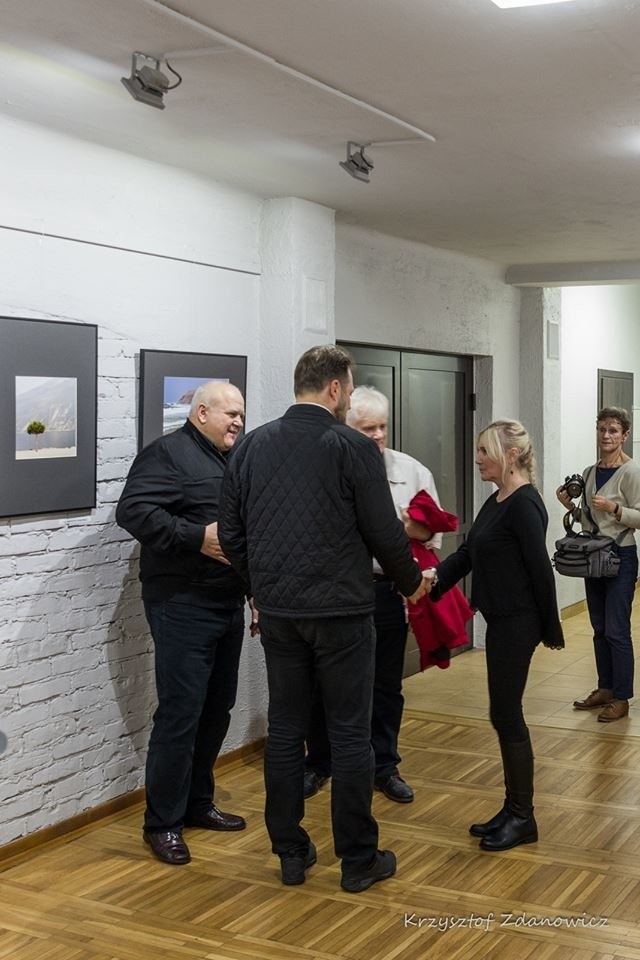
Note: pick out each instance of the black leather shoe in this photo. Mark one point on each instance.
(214, 819)
(482, 829)
(394, 788)
(312, 783)
(381, 867)
(293, 865)
(168, 846)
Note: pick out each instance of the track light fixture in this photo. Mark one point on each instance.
(357, 164)
(148, 84)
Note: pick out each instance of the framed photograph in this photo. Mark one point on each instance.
(168, 381)
(48, 377)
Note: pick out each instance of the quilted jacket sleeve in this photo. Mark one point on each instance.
(232, 531)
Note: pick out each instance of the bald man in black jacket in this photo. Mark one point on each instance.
(194, 603)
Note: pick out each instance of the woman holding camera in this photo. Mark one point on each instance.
(514, 589)
(611, 498)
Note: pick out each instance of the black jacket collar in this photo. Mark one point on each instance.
(309, 412)
(203, 441)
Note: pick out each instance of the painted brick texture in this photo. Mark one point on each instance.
(76, 664)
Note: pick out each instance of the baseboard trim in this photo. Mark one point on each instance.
(574, 609)
(81, 822)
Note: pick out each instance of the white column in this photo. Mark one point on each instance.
(540, 381)
(297, 243)
(540, 396)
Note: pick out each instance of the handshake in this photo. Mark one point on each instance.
(429, 580)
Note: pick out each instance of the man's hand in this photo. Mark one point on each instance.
(414, 529)
(254, 629)
(420, 592)
(211, 545)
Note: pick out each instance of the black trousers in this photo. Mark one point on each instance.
(337, 653)
(609, 601)
(511, 642)
(197, 652)
(388, 702)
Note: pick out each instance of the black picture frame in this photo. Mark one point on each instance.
(48, 376)
(158, 365)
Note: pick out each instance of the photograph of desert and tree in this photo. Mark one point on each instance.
(46, 417)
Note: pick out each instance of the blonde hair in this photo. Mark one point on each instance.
(505, 435)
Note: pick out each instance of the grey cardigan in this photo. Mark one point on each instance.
(623, 488)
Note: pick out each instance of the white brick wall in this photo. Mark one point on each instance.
(76, 664)
(76, 669)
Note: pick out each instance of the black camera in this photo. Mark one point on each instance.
(574, 486)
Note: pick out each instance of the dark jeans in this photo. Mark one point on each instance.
(388, 702)
(197, 651)
(510, 644)
(337, 652)
(609, 600)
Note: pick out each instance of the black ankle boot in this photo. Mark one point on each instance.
(514, 831)
(519, 825)
(482, 829)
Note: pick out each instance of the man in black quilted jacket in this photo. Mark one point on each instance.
(305, 506)
(194, 602)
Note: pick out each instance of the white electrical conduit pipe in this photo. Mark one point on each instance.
(276, 64)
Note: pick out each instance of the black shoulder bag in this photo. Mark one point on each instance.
(587, 554)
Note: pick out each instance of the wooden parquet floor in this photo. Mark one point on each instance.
(98, 894)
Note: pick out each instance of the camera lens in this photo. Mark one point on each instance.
(574, 486)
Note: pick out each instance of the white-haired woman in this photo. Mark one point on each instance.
(514, 589)
(369, 414)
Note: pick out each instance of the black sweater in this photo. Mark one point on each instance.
(306, 503)
(507, 552)
(172, 493)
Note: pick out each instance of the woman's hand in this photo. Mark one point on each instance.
(430, 578)
(601, 503)
(564, 498)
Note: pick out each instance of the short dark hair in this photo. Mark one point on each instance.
(318, 366)
(615, 413)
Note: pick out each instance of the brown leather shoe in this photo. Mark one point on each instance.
(615, 710)
(168, 846)
(214, 819)
(597, 698)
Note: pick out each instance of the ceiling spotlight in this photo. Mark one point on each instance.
(357, 164)
(147, 83)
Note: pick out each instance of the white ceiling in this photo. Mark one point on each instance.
(536, 110)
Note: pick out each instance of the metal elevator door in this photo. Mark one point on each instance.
(431, 419)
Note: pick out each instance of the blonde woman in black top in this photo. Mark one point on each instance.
(513, 587)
